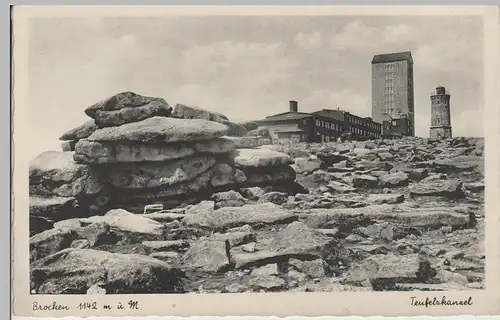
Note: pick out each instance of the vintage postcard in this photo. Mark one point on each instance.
(255, 160)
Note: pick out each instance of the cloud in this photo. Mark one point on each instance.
(358, 35)
(259, 64)
(310, 41)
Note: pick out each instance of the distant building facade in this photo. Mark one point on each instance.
(321, 126)
(291, 125)
(393, 92)
(331, 124)
(440, 114)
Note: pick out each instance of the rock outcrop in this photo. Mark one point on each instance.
(152, 199)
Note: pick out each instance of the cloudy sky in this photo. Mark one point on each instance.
(247, 67)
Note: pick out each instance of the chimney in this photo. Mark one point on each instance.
(294, 106)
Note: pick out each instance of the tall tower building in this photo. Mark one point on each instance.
(392, 88)
(440, 114)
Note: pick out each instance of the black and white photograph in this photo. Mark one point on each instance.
(252, 154)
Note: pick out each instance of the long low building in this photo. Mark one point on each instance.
(321, 126)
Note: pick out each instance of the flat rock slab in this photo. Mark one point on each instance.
(313, 268)
(339, 187)
(208, 255)
(204, 206)
(458, 164)
(50, 242)
(258, 214)
(267, 283)
(193, 112)
(258, 158)
(162, 130)
(275, 197)
(127, 107)
(55, 208)
(164, 216)
(80, 132)
(227, 196)
(302, 165)
(190, 112)
(394, 180)
(339, 169)
(364, 181)
(74, 271)
(445, 188)
(425, 218)
(253, 193)
(267, 270)
(157, 174)
(382, 230)
(297, 239)
(396, 268)
(235, 238)
(294, 241)
(383, 198)
(114, 152)
(129, 223)
(169, 245)
(56, 173)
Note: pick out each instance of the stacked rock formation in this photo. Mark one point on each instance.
(160, 158)
(139, 151)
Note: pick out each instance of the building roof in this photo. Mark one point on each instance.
(287, 116)
(391, 57)
(331, 113)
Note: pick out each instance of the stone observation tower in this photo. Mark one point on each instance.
(440, 114)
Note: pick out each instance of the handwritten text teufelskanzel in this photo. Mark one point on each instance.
(428, 302)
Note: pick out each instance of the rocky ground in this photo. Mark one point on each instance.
(146, 198)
